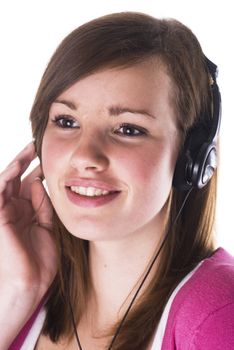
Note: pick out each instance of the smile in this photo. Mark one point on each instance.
(90, 191)
(90, 197)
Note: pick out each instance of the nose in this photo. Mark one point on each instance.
(89, 156)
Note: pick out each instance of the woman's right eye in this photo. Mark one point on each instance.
(65, 122)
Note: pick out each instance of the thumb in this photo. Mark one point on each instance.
(41, 204)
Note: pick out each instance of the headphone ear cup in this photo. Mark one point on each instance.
(182, 168)
(204, 165)
(190, 172)
(195, 170)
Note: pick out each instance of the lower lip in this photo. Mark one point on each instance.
(90, 202)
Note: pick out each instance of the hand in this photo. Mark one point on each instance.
(28, 259)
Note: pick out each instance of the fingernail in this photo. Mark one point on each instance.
(37, 178)
(11, 165)
(29, 145)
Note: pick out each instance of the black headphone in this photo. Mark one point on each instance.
(198, 158)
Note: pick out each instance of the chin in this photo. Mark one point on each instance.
(88, 231)
(91, 237)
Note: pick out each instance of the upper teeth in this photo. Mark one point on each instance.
(89, 191)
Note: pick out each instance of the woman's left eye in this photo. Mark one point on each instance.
(65, 122)
(131, 130)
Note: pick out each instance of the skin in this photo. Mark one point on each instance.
(125, 232)
(28, 261)
(95, 148)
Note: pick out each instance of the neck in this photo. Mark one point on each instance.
(117, 268)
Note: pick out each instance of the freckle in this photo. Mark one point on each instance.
(105, 266)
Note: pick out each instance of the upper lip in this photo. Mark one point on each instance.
(91, 183)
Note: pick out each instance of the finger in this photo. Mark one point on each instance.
(9, 179)
(25, 157)
(25, 191)
(41, 204)
(6, 179)
(27, 152)
(8, 174)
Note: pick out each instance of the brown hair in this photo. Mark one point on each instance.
(120, 40)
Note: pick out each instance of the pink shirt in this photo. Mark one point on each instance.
(199, 314)
(202, 313)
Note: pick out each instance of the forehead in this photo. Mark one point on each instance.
(142, 89)
(144, 83)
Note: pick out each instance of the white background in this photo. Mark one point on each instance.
(31, 30)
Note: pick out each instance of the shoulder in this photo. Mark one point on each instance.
(202, 313)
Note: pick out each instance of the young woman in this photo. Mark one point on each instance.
(117, 250)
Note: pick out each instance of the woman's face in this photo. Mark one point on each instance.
(109, 152)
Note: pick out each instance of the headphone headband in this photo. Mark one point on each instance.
(198, 158)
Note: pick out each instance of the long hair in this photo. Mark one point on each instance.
(122, 40)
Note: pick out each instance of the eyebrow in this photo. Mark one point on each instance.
(69, 104)
(117, 110)
(112, 110)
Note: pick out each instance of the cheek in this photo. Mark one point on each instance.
(53, 157)
(149, 168)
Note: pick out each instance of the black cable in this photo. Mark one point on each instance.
(149, 269)
(74, 325)
(143, 281)
(66, 295)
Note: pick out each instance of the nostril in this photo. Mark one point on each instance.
(89, 162)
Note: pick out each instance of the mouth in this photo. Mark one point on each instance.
(90, 191)
(90, 196)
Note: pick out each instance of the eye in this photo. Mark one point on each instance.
(65, 122)
(130, 130)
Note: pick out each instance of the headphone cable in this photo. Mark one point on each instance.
(141, 284)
